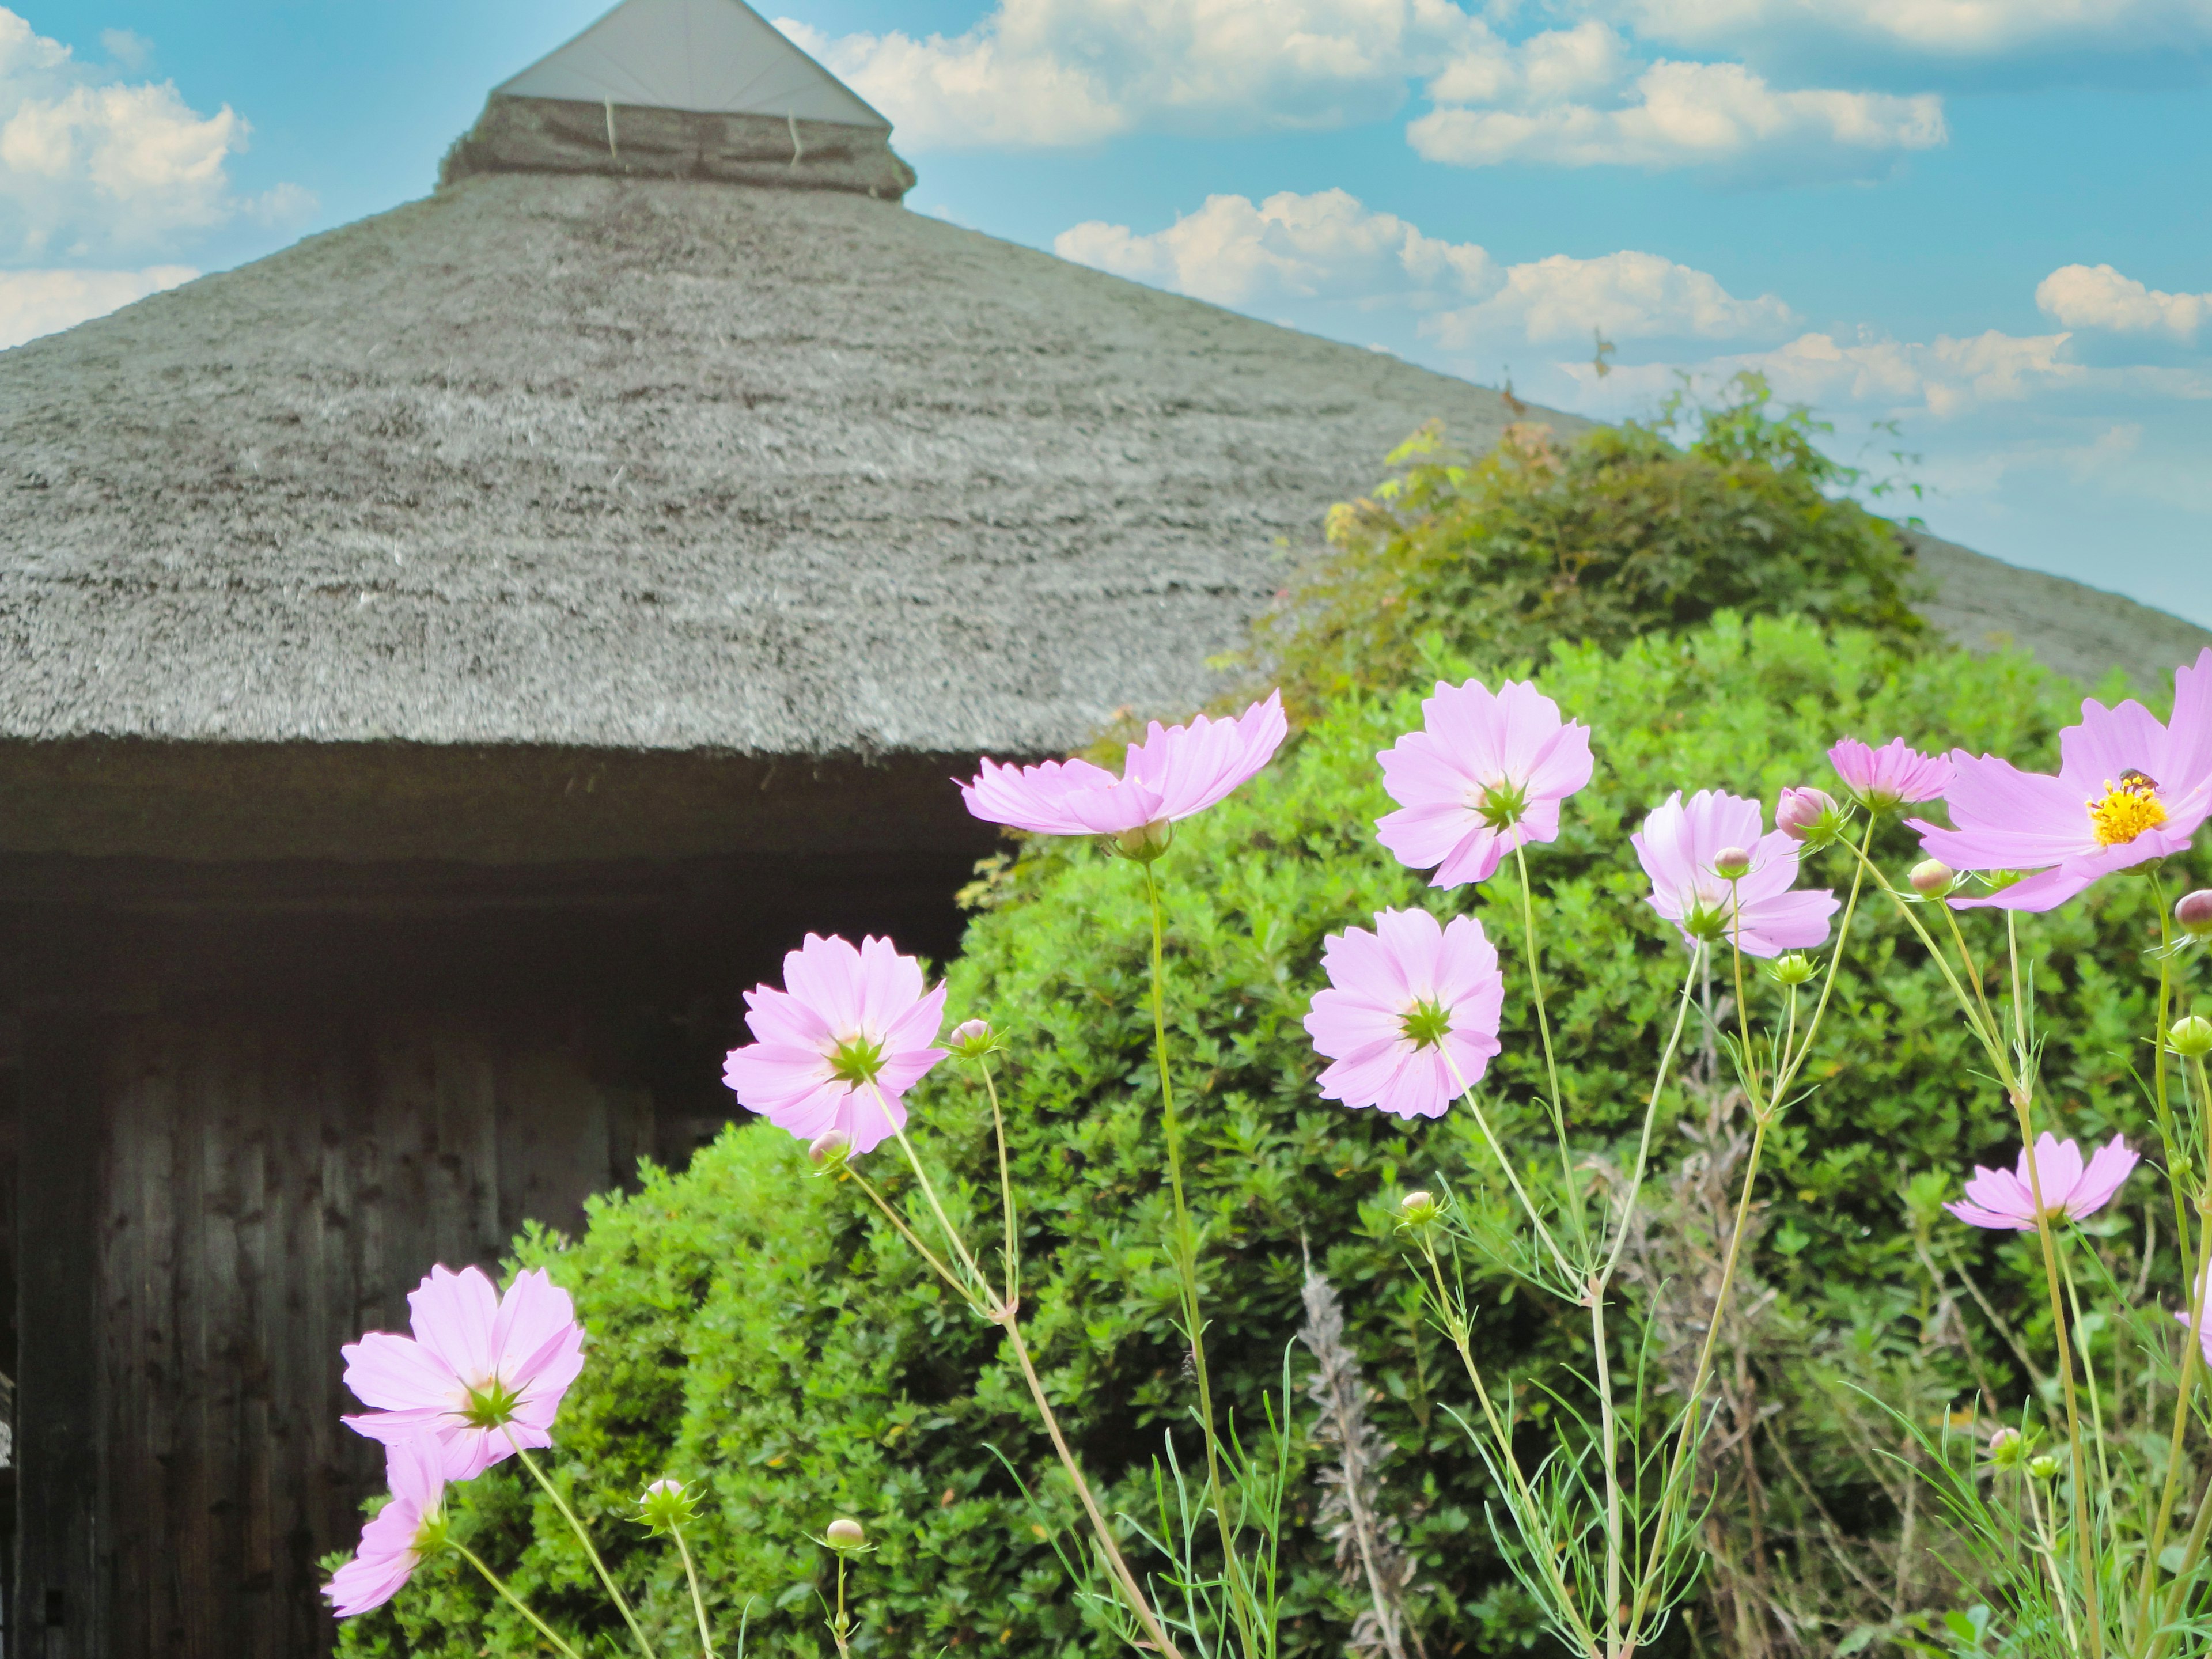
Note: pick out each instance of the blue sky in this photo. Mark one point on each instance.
(1985, 221)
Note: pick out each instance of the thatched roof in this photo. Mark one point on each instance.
(652, 432)
(654, 463)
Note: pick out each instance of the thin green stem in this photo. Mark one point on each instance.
(1186, 1243)
(512, 1600)
(977, 1293)
(698, 1601)
(1453, 1314)
(965, 1292)
(1974, 976)
(2022, 1100)
(2170, 1489)
(622, 1603)
(2088, 1369)
(1571, 1281)
(1012, 1263)
(1651, 1110)
(839, 1628)
(1985, 1034)
(2047, 1548)
(982, 1291)
(1608, 1430)
(1672, 1475)
(2159, 1097)
(1574, 1205)
(2192, 1552)
(1796, 1061)
(1743, 1002)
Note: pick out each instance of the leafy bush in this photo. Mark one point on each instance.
(762, 1332)
(1622, 533)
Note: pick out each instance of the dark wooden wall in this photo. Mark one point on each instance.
(253, 1112)
(265, 1194)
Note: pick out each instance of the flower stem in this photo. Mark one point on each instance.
(1012, 1263)
(1785, 1072)
(1138, 1603)
(1454, 1314)
(2159, 1097)
(2021, 1101)
(2189, 1367)
(1186, 1243)
(698, 1601)
(584, 1538)
(514, 1601)
(1574, 1206)
(1651, 1113)
(976, 1291)
(1571, 1282)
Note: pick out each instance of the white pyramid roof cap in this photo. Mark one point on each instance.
(713, 57)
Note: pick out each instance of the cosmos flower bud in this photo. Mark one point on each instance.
(2043, 1467)
(972, 1039)
(2194, 912)
(1418, 1208)
(1731, 863)
(831, 1147)
(1932, 878)
(845, 1533)
(2008, 1447)
(2191, 1038)
(1808, 815)
(1794, 969)
(666, 1505)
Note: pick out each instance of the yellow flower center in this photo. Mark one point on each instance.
(2126, 809)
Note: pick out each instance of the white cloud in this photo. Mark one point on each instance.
(1328, 246)
(1324, 245)
(1680, 114)
(1052, 72)
(1074, 71)
(1546, 68)
(35, 302)
(1934, 28)
(2098, 296)
(1626, 296)
(1945, 377)
(127, 47)
(90, 164)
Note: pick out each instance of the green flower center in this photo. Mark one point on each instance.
(1708, 922)
(1427, 1024)
(857, 1061)
(1500, 806)
(490, 1406)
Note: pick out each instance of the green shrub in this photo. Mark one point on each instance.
(1616, 535)
(757, 1329)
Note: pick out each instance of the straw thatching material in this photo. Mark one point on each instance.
(659, 464)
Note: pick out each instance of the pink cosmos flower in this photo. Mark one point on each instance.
(1407, 1006)
(2128, 790)
(1176, 771)
(1485, 774)
(1680, 843)
(398, 1536)
(483, 1375)
(839, 1047)
(2204, 1326)
(2001, 1198)
(1881, 778)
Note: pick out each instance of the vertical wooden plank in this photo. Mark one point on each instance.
(61, 1584)
(254, 1344)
